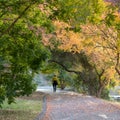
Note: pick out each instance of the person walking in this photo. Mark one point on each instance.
(54, 83)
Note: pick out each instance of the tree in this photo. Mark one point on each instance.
(21, 50)
(70, 41)
(94, 75)
(107, 40)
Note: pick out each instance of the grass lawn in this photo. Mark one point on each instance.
(25, 108)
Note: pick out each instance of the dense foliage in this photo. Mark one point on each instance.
(21, 50)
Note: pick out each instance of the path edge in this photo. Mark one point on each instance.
(44, 105)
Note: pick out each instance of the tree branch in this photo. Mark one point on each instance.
(64, 67)
(117, 64)
(13, 23)
(99, 74)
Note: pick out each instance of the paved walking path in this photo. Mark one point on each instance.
(65, 105)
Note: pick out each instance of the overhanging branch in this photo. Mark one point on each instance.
(64, 67)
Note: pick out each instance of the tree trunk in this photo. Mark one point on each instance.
(117, 64)
(99, 92)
